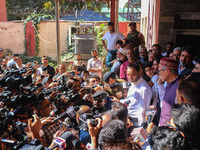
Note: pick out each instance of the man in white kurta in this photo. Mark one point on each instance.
(139, 94)
(95, 64)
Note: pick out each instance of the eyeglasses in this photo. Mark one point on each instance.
(45, 59)
(49, 105)
(161, 70)
(98, 100)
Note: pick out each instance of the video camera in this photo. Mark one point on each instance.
(10, 128)
(88, 116)
(125, 85)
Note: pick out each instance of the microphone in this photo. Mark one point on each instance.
(139, 133)
(53, 113)
(151, 113)
(126, 103)
(63, 141)
(70, 112)
(65, 125)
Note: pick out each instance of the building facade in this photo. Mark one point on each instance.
(171, 20)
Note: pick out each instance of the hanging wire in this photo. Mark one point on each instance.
(43, 38)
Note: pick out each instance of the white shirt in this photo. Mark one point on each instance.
(10, 63)
(140, 95)
(95, 64)
(155, 89)
(112, 39)
(20, 68)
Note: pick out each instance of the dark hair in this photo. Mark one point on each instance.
(15, 54)
(197, 59)
(119, 42)
(157, 60)
(147, 64)
(189, 49)
(135, 66)
(132, 24)
(44, 56)
(170, 43)
(92, 76)
(115, 131)
(190, 90)
(174, 71)
(110, 23)
(86, 72)
(70, 83)
(157, 45)
(136, 52)
(121, 146)
(187, 119)
(195, 76)
(165, 138)
(121, 111)
(97, 77)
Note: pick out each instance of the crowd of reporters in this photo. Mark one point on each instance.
(43, 108)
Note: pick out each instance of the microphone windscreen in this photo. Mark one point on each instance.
(77, 144)
(68, 137)
(76, 108)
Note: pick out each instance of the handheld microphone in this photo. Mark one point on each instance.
(151, 113)
(53, 113)
(63, 141)
(126, 103)
(65, 125)
(139, 133)
(70, 112)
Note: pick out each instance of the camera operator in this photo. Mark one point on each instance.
(4, 65)
(86, 74)
(84, 136)
(19, 63)
(12, 61)
(50, 69)
(92, 80)
(22, 114)
(110, 87)
(61, 71)
(46, 134)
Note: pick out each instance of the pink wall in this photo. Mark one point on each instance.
(3, 15)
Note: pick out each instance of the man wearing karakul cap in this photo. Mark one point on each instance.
(168, 70)
(121, 58)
